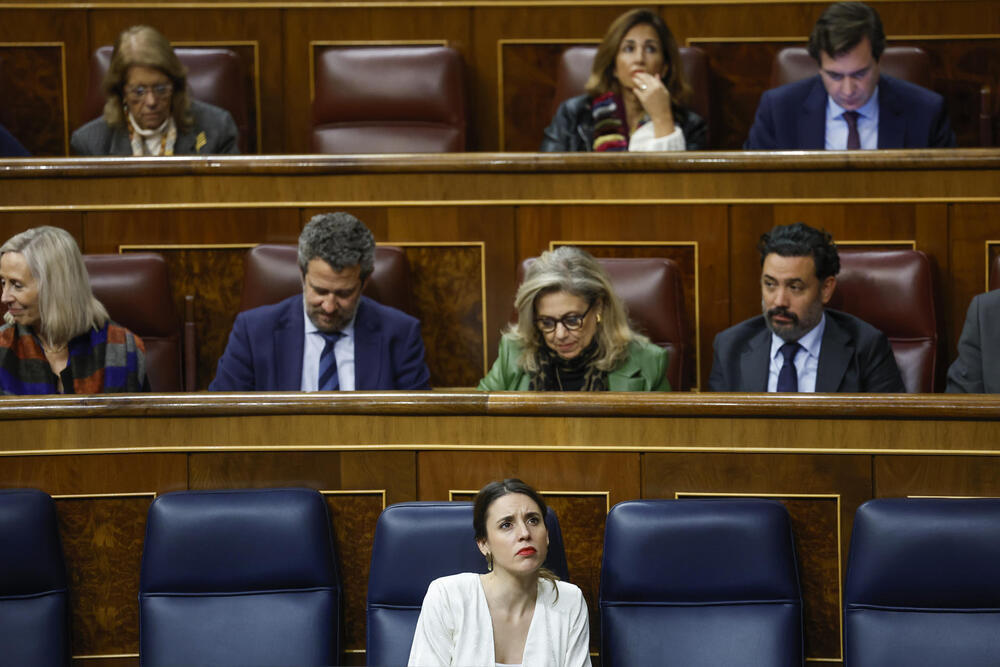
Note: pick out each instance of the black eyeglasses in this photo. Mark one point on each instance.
(571, 321)
(160, 90)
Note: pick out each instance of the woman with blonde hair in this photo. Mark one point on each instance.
(573, 334)
(636, 95)
(149, 110)
(518, 613)
(57, 338)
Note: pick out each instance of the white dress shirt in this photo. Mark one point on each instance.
(644, 139)
(836, 124)
(806, 358)
(312, 349)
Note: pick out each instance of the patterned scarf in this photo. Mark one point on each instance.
(158, 141)
(610, 126)
(576, 374)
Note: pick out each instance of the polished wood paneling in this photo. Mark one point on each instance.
(972, 228)
(31, 78)
(899, 476)
(804, 484)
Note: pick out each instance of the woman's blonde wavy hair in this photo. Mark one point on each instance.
(570, 269)
(144, 46)
(66, 305)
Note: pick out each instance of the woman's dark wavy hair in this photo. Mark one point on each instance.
(801, 240)
(602, 74)
(486, 497)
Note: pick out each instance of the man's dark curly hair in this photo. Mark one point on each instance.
(842, 27)
(340, 240)
(801, 240)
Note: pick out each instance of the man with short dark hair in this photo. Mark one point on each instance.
(849, 104)
(797, 345)
(330, 337)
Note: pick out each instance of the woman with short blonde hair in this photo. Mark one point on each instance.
(573, 333)
(57, 337)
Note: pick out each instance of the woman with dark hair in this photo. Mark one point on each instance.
(58, 338)
(636, 95)
(518, 613)
(149, 110)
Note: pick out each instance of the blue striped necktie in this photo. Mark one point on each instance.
(328, 380)
(788, 377)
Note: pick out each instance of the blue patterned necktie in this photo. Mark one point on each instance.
(328, 380)
(788, 377)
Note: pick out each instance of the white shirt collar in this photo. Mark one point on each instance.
(348, 329)
(812, 341)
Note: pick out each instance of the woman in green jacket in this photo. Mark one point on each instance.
(573, 334)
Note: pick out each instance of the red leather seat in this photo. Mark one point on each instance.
(135, 289)
(389, 99)
(893, 291)
(271, 273)
(910, 63)
(576, 61)
(215, 75)
(653, 293)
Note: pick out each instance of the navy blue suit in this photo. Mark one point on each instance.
(854, 357)
(793, 117)
(10, 146)
(265, 347)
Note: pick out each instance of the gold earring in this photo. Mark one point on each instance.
(489, 561)
(598, 318)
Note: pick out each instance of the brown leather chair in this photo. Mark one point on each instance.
(576, 61)
(271, 273)
(215, 75)
(910, 63)
(653, 293)
(135, 289)
(389, 99)
(893, 291)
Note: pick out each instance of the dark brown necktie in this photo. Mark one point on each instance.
(853, 138)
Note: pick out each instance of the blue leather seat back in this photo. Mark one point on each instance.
(700, 582)
(415, 543)
(923, 583)
(239, 577)
(33, 601)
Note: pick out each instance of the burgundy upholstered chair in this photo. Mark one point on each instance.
(271, 273)
(389, 99)
(576, 61)
(910, 63)
(653, 293)
(893, 290)
(135, 289)
(215, 75)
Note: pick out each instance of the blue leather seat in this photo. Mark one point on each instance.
(700, 582)
(34, 615)
(415, 543)
(923, 583)
(239, 577)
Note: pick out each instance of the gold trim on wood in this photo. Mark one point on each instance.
(607, 494)
(79, 496)
(258, 120)
(105, 656)
(355, 492)
(696, 387)
(353, 42)
(840, 559)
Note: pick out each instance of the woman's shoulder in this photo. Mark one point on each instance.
(570, 595)
(645, 349)
(455, 582)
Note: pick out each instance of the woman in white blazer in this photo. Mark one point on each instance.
(518, 613)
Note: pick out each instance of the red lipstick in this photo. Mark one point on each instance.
(527, 551)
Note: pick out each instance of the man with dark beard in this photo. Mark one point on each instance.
(797, 345)
(330, 337)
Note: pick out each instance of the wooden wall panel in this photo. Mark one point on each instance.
(705, 282)
(805, 484)
(15, 223)
(32, 78)
(901, 476)
(972, 228)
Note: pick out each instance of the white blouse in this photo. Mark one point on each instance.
(455, 627)
(643, 139)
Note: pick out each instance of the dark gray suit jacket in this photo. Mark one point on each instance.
(977, 369)
(854, 357)
(221, 135)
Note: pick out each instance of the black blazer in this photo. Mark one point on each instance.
(572, 129)
(854, 357)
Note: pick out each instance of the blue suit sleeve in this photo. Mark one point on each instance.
(762, 135)
(235, 369)
(409, 366)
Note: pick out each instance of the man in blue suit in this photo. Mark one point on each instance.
(848, 105)
(330, 337)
